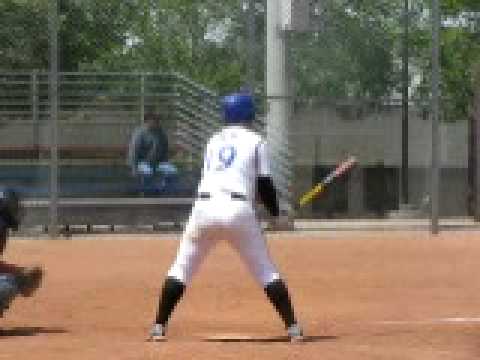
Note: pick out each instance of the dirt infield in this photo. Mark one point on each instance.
(360, 295)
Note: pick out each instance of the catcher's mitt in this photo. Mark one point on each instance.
(29, 280)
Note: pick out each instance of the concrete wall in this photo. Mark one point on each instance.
(322, 135)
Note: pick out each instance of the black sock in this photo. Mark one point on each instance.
(277, 293)
(172, 292)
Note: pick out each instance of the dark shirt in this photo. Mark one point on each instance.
(148, 145)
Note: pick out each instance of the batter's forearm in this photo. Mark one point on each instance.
(268, 194)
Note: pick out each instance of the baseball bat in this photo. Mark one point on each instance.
(341, 169)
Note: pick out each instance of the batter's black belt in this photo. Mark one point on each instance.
(233, 195)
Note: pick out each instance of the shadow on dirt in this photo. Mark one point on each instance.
(30, 331)
(272, 339)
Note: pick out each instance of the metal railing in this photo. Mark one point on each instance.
(97, 112)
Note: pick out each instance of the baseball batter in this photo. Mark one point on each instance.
(235, 170)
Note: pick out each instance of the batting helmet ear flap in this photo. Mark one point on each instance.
(238, 108)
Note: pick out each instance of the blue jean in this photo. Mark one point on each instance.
(155, 180)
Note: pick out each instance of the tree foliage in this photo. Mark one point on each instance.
(357, 53)
(91, 30)
(352, 55)
(23, 34)
(460, 55)
(172, 35)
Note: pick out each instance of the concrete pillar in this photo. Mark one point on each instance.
(278, 102)
(355, 188)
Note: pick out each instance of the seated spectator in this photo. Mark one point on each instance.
(148, 156)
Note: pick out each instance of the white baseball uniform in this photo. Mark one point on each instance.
(234, 158)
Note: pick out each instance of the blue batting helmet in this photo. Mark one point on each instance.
(238, 108)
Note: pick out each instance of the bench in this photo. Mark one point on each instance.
(108, 211)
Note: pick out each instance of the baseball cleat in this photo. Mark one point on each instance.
(157, 333)
(295, 333)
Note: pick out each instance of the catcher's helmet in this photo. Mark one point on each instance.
(10, 209)
(238, 108)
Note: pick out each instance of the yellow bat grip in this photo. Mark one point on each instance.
(308, 196)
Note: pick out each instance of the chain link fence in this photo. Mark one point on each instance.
(360, 82)
(332, 78)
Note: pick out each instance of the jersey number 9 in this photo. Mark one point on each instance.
(223, 159)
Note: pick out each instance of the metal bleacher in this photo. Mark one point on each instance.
(97, 114)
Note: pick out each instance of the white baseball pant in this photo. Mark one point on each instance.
(221, 217)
